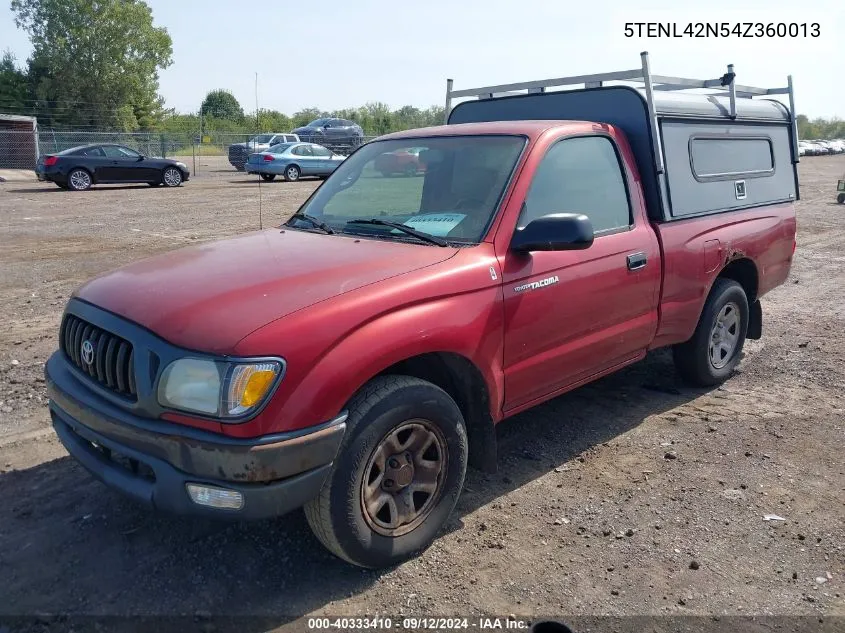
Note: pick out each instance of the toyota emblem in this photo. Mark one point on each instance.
(87, 352)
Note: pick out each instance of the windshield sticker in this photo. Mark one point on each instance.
(435, 223)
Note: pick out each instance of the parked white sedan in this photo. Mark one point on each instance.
(293, 161)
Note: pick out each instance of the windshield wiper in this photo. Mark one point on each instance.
(314, 222)
(404, 228)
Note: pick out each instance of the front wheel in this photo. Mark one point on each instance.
(397, 476)
(292, 173)
(268, 177)
(171, 177)
(713, 352)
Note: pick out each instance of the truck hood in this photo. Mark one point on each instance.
(208, 297)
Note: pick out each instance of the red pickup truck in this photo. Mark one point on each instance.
(356, 359)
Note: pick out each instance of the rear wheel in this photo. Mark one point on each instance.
(397, 476)
(268, 177)
(841, 198)
(713, 352)
(171, 177)
(79, 180)
(292, 173)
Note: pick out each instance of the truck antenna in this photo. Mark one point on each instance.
(258, 127)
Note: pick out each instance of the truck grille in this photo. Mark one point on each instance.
(108, 359)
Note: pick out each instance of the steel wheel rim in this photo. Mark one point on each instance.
(724, 335)
(80, 180)
(404, 478)
(172, 177)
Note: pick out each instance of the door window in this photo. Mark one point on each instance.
(319, 150)
(115, 151)
(301, 150)
(580, 175)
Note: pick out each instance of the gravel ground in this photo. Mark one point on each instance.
(632, 496)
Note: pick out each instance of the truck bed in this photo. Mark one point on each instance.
(693, 251)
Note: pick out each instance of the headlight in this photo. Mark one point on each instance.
(217, 388)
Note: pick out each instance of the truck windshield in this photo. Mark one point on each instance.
(448, 186)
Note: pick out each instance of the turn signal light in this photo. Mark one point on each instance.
(215, 497)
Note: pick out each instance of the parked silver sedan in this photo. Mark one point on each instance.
(293, 160)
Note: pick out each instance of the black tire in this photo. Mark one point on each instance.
(337, 516)
(172, 177)
(268, 177)
(292, 173)
(79, 179)
(693, 359)
(841, 198)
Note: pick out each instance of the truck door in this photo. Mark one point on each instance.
(572, 314)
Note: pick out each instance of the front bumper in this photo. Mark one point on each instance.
(153, 461)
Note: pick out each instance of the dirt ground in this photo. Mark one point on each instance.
(631, 496)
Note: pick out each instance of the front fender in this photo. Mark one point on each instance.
(470, 325)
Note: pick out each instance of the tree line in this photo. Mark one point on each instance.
(220, 113)
(820, 129)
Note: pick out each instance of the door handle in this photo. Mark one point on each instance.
(636, 261)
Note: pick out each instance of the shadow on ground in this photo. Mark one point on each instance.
(69, 545)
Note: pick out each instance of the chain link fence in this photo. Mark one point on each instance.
(208, 154)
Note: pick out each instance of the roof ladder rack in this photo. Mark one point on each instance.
(723, 86)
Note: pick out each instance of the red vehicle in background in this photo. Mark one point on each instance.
(405, 162)
(355, 360)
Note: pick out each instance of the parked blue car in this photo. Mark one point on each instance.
(293, 160)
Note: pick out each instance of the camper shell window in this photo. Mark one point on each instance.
(730, 157)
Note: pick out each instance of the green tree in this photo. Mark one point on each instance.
(15, 95)
(222, 104)
(304, 117)
(95, 63)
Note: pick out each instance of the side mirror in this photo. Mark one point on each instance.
(554, 232)
(141, 157)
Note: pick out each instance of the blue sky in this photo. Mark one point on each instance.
(336, 54)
